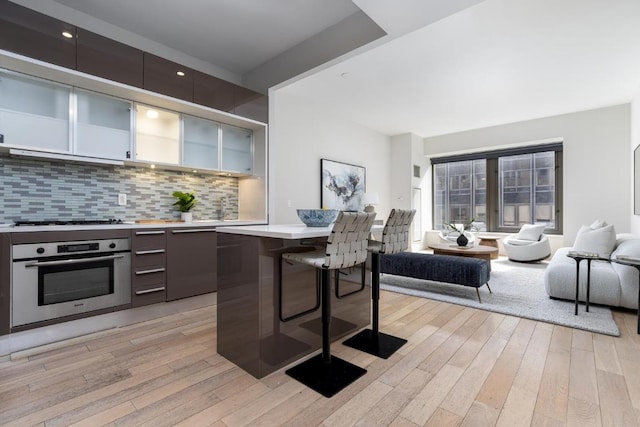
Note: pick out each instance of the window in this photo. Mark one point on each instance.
(501, 189)
(460, 191)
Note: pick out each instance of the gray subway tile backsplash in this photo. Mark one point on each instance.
(44, 190)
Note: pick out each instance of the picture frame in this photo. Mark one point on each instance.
(342, 185)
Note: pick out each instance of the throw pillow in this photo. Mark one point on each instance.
(601, 240)
(531, 232)
(598, 223)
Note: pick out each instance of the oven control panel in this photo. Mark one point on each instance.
(43, 250)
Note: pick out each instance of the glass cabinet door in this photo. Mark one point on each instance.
(200, 139)
(237, 149)
(104, 126)
(157, 135)
(34, 113)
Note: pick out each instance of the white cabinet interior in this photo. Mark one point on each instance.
(34, 113)
(200, 143)
(103, 126)
(157, 135)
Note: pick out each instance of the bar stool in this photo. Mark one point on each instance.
(346, 247)
(395, 238)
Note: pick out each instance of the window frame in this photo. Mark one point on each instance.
(493, 187)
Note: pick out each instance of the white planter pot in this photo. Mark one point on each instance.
(186, 216)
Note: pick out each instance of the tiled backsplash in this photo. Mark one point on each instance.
(44, 190)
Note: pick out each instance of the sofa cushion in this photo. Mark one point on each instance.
(531, 232)
(560, 281)
(601, 240)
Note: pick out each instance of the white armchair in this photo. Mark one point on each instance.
(527, 250)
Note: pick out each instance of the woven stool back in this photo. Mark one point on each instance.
(395, 235)
(348, 241)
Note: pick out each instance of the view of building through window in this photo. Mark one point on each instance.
(525, 191)
(460, 193)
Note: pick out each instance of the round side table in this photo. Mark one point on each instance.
(490, 241)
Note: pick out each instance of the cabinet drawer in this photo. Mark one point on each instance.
(146, 295)
(148, 239)
(148, 258)
(150, 276)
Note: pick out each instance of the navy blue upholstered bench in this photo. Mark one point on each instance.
(459, 270)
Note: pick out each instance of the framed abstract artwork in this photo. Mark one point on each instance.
(342, 185)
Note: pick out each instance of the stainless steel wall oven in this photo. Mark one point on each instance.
(57, 279)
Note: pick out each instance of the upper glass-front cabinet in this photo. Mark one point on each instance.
(34, 113)
(103, 126)
(237, 149)
(157, 135)
(200, 143)
(40, 115)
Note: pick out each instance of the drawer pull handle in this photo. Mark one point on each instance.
(194, 230)
(149, 233)
(153, 251)
(153, 270)
(148, 291)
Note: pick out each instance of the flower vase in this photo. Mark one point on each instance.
(186, 216)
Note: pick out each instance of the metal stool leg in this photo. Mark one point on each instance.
(373, 341)
(324, 373)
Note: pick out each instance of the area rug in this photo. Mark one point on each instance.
(518, 290)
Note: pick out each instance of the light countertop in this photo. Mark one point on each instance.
(283, 231)
(126, 225)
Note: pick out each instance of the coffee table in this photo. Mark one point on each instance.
(482, 252)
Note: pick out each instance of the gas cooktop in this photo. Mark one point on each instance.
(71, 222)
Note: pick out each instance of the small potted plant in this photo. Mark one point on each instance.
(184, 202)
(460, 229)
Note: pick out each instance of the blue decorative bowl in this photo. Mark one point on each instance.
(317, 217)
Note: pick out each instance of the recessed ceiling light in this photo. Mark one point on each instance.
(180, 73)
(67, 34)
(152, 114)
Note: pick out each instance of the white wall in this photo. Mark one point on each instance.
(407, 151)
(299, 136)
(635, 141)
(596, 162)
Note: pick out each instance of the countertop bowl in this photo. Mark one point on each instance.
(317, 217)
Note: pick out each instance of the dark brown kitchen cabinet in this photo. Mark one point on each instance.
(27, 32)
(191, 262)
(251, 104)
(148, 266)
(213, 92)
(167, 77)
(5, 265)
(103, 57)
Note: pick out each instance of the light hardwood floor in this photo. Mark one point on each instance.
(461, 366)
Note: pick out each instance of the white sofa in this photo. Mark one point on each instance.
(611, 283)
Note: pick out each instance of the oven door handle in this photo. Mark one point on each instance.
(72, 261)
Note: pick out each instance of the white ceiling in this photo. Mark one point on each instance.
(497, 62)
(437, 71)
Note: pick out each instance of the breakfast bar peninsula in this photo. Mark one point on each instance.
(268, 309)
